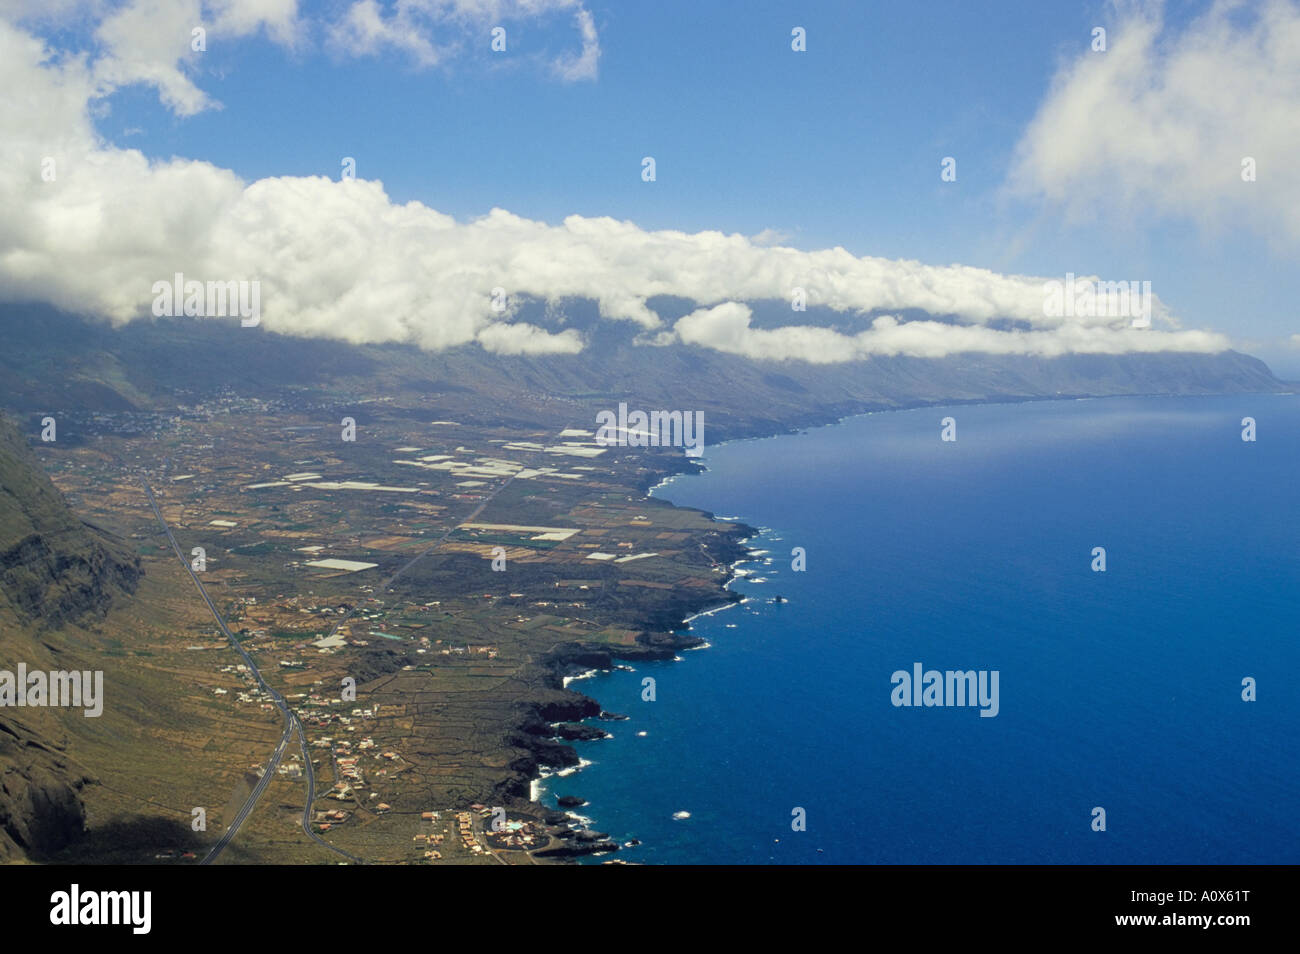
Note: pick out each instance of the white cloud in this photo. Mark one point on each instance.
(1159, 123)
(582, 65)
(279, 18)
(145, 42)
(149, 41)
(429, 31)
(342, 260)
(771, 236)
(364, 31)
(726, 328)
(523, 338)
(46, 11)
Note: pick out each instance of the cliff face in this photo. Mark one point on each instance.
(40, 795)
(53, 571)
(58, 578)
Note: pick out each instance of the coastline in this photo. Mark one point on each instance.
(578, 661)
(569, 717)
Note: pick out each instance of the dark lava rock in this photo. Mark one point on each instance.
(576, 731)
(573, 658)
(379, 661)
(658, 645)
(569, 707)
(574, 851)
(570, 801)
(542, 753)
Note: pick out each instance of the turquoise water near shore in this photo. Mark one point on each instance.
(1119, 689)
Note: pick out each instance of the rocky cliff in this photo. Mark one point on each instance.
(54, 571)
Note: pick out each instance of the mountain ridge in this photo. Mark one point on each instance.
(156, 366)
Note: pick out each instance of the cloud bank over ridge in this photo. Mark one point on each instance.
(340, 259)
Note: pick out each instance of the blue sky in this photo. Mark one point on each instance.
(839, 145)
(836, 146)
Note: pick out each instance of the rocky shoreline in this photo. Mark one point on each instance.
(545, 727)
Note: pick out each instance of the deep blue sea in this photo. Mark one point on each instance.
(1119, 689)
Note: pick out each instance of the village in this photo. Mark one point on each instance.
(398, 590)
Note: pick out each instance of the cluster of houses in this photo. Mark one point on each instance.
(512, 835)
(431, 839)
(465, 825)
(350, 770)
(252, 694)
(325, 820)
(518, 836)
(489, 651)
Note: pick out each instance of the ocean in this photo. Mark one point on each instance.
(1119, 689)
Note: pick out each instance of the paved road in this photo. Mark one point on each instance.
(292, 726)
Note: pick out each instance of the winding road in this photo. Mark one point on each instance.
(292, 726)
